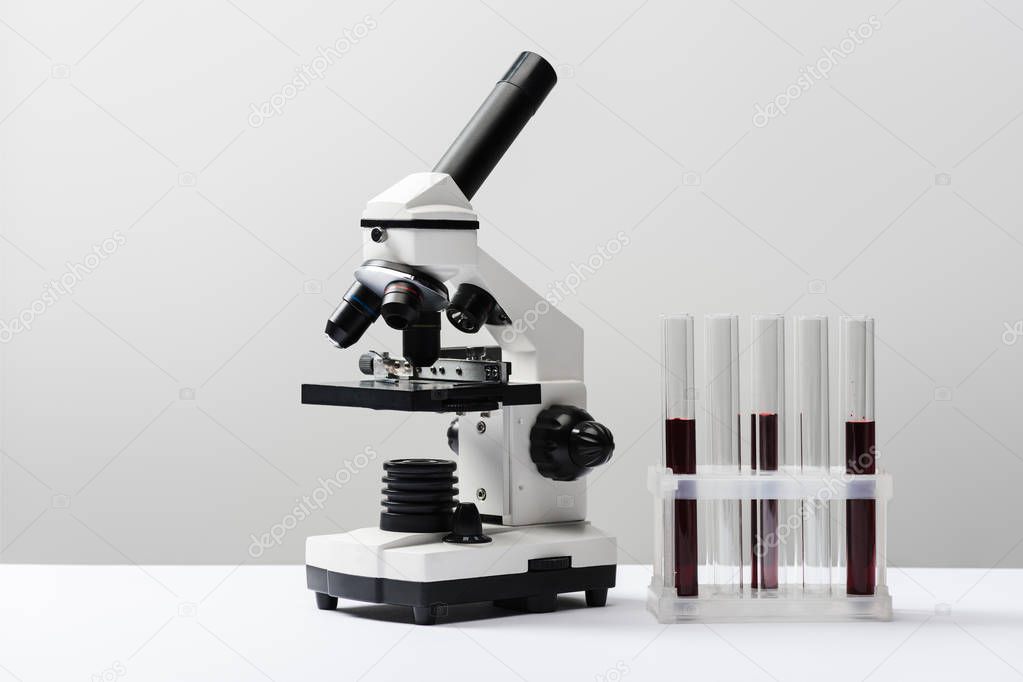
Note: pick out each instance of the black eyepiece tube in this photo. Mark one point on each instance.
(497, 122)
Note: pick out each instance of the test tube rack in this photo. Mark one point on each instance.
(765, 529)
(725, 593)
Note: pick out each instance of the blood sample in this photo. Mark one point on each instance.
(764, 518)
(680, 439)
(679, 405)
(813, 445)
(857, 349)
(767, 442)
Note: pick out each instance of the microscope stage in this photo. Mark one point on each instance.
(421, 395)
(523, 568)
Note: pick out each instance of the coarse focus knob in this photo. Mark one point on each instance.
(565, 443)
(590, 444)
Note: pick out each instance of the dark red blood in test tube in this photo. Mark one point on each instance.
(764, 513)
(680, 453)
(860, 515)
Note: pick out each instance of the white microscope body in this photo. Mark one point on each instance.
(524, 442)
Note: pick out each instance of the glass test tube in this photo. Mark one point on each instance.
(814, 444)
(767, 441)
(723, 426)
(857, 351)
(680, 440)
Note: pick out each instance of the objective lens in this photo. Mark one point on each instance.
(470, 308)
(359, 308)
(420, 342)
(401, 303)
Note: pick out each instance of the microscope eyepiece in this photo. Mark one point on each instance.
(497, 122)
(359, 308)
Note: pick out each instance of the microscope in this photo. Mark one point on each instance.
(510, 527)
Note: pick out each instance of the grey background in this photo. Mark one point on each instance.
(152, 415)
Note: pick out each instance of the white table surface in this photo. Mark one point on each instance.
(259, 623)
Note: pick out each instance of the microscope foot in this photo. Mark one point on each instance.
(325, 602)
(596, 597)
(537, 603)
(424, 615)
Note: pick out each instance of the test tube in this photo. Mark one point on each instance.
(814, 445)
(680, 440)
(723, 426)
(767, 441)
(857, 351)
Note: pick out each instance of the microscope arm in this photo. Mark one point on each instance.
(542, 343)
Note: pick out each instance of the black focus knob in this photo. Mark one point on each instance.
(565, 443)
(590, 444)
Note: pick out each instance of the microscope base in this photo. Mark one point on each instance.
(522, 569)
